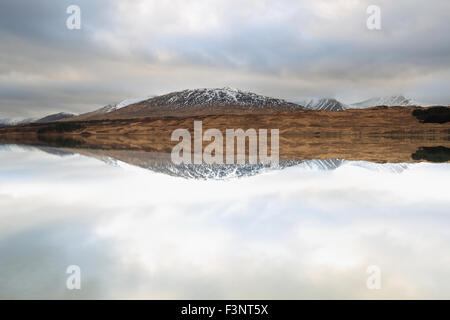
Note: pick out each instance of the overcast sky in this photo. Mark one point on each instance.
(288, 49)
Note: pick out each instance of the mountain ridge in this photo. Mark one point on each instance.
(213, 101)
(388, 101)
(204, 101)
(331, 104)
(55, 117)
(326, 104)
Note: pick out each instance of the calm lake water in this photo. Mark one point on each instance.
(310, 230)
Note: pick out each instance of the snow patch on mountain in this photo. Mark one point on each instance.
(331, 104)
(328, 104)
(127, 102)
(390, 101)
(122, 104)
(218, 97)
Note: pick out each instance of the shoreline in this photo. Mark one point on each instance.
(382, 134)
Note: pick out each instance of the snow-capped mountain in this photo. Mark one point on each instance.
(327, 104)
(335, 105)
(7, 122)
(192, 102)
(390, 101)
(110, 108)
(202, 97)
(49, 118)
(16, 121)
(55, 117)
(122, 104)
(218, 97)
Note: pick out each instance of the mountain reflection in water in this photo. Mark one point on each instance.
(306, 229)
(161, 163)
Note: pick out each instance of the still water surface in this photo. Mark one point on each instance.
(308, 231)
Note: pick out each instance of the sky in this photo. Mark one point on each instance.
(285, 49)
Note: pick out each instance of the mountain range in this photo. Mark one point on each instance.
(214, 101)
(220, 100)
(391, 101)
(227, 100)
(330, 104)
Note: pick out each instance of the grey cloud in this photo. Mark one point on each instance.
(290, 49)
